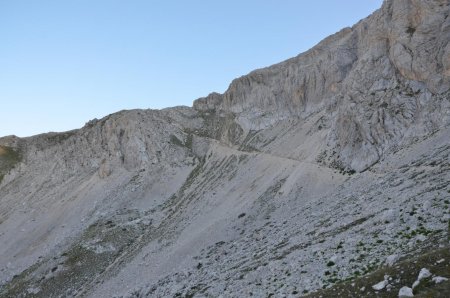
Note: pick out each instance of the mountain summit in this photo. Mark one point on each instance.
(326, 174)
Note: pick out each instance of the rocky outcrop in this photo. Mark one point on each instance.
(303, 174)
(383, 81)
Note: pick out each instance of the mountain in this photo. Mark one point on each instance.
(316, 176)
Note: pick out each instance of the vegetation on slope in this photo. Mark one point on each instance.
(8, 160)
(401, 274)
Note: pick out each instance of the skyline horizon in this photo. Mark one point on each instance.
(75, 87)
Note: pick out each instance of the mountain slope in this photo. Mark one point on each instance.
(301, 175)
(385, 79)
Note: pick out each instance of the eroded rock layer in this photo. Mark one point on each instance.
(319, 170)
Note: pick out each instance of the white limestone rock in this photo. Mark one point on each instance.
(251, 190)
(439, 279)
(405, 292)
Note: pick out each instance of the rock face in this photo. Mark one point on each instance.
(375, 83)
(300, 175)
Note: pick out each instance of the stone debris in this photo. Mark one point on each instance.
(424, 273)
(319, 169)
(405, 292)
(380, 286)
(439, 279)
(390, 260)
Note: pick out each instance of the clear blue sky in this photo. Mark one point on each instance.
(63, 63)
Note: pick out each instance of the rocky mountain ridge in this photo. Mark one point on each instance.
(378, 77)
(300, 176)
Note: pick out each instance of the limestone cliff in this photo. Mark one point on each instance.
(378, 84)
(301, 177)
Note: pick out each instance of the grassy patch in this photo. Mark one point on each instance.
(176, 141)
(74, 270)
(403, 273)
(9, 157)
